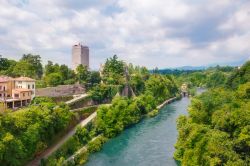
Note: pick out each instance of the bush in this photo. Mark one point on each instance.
(153, 113)
(96, 145)
(81, 158)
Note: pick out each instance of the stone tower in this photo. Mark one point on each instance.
(80, 55)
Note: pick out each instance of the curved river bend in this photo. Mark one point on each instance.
(148, 143)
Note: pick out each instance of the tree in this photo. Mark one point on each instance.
(35, 63)
(216, 79)
(165, 88)
(66, 72)
(54, 79)
(24, 68)
(82, 73)
(51, 68)
(113, 71)
(240, 76)
(94, 78)
(4, 63)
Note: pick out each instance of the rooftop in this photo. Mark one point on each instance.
(24, 79)
(5, 78)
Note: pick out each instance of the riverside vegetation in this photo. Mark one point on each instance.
(29, 131)
(123, 112)
(217, 129)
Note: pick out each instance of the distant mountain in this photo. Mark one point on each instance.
(179, 70)
(186, 68)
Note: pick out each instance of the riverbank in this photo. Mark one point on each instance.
(166, 102)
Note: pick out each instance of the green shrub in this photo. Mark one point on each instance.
(96, 145)
(153, 113)
(81, 158)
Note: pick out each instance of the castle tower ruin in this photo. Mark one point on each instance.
(80, 55)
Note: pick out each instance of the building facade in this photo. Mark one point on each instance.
(80, 55)
(16, 92)
(6, 86)
(25, 83)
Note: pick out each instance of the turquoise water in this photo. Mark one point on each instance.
(148, 143)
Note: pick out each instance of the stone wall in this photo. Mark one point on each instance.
(61, 90)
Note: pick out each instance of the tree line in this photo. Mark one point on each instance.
(217, 130)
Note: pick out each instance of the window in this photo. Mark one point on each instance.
(28, 86)
(23, 94)
(4, 95)
(16, 95)
(33, 86)
(0, 94)
(4, 88)
(19, 82)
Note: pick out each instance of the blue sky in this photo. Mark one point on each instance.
(163, 33)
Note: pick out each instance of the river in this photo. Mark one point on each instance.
(148, 143)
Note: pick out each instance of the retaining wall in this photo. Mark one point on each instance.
(61, 90)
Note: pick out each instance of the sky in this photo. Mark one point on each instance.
(151, 33)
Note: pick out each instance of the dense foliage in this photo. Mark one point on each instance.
(29, 131)
(123, 112)
(113, 71)
(102, 93)
(240, 76)
(29, 65)
(217, 130)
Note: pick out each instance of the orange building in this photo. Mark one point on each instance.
(13, 96)
(6, 86)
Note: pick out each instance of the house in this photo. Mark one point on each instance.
(25, 83)
(16, 92)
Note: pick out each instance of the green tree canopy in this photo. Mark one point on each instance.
(113, 71)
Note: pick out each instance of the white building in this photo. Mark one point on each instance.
(26, 83)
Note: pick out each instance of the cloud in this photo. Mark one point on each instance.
(150, 33)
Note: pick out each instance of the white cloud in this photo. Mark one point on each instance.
(152, 33)
(240, 19)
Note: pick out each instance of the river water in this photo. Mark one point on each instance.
(148, 143)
